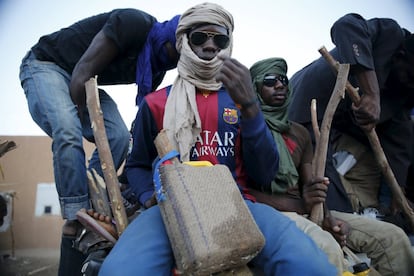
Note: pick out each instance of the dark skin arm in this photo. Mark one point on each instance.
(314, 192)
(288, 202)
(339, 229)
(99, 54)
(236, 78)
(367, 112)
(314, 189)
(281, 202)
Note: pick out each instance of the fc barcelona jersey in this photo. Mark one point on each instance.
(219, 142)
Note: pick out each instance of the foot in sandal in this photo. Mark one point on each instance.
(98, 223)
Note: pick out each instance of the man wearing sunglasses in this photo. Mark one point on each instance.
(123, 46)
(294, 190)
(199, 38)
(381, 55)
(210, 113)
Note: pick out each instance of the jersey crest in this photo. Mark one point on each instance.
(230, 116)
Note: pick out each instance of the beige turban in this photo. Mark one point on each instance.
(181, 118)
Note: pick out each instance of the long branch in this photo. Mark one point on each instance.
(105, 155)
(376, 147)
(321, 149)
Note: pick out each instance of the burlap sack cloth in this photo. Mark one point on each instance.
(208, 223)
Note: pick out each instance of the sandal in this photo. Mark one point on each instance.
(91, 224)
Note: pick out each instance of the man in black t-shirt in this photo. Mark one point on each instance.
(381, 57)
(123, 46)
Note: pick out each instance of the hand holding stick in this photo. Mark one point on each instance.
(321, 148)
(105, 155)
(376, 147)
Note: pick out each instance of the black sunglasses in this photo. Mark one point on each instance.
(199, 38)
(270, 81)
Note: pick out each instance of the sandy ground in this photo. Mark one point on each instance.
(40, 262)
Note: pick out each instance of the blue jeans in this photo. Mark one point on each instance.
(46, 87)
(144, 248)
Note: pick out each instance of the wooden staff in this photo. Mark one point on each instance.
(321, 211)
(321, 148)
(163, 145)
(376, 147)
(105, 155)
(314, 119)
(98, 193)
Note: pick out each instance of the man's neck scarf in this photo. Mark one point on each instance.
(181, 117)
(276, 118)
(153, 58)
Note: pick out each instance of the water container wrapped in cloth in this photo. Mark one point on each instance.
(208, 223)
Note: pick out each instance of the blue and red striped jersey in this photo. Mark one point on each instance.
(246, 147)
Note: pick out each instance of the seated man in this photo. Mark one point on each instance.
(203, 121)
(295, 190)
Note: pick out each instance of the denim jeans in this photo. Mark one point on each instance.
(144, 247)
(46, 87)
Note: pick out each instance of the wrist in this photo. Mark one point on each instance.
(248, 104)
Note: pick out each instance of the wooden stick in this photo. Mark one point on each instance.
(376, 147)
(105, 155)
(163, 145)
(317, 210)
(351, 254)
(314, 118)
(98, 193)
(318, 164)
(324, 209)
(316, 129)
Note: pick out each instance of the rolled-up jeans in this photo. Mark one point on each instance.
(46, 87)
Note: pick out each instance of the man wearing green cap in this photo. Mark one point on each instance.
(295, 190)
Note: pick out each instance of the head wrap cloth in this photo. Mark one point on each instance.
(181, 119)
(276, 118)
(153, 58)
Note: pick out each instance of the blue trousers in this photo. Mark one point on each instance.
(144, 248)
(46, 87)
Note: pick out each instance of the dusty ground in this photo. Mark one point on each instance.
(39, 262)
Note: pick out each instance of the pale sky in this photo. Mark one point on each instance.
(292, 29)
